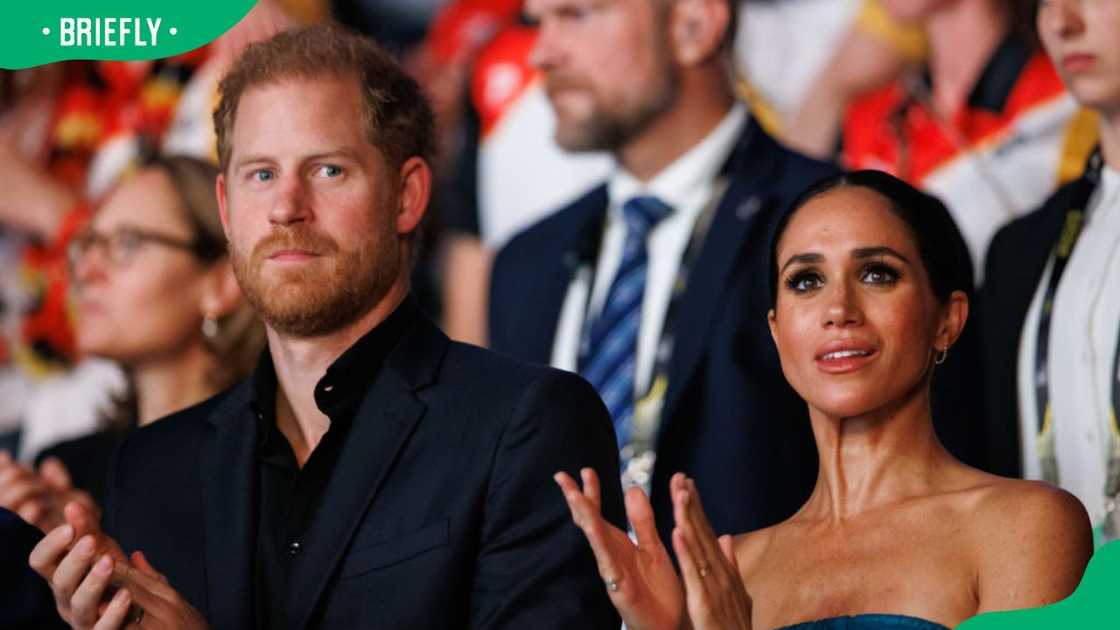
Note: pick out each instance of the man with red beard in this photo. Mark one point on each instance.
(371, 473)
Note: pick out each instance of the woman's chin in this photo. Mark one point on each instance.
(847, 404)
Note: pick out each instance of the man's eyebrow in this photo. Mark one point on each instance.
(809, 257)
(341, 152)
(251, 159)
(881, 250)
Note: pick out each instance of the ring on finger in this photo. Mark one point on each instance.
(705, 570)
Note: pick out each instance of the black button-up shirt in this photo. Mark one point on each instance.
(289, 495)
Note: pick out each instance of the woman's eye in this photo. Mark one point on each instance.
(803, 282)
(878, 274)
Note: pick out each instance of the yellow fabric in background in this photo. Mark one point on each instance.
(872, 18)
(1082, 135)
(909, 40)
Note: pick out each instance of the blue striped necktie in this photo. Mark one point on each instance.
(610, 344)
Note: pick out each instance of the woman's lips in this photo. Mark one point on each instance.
(844, 357)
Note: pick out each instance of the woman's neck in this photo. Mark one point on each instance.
(1110, 138)
(870, 461)
(962, 38)
(165, 387)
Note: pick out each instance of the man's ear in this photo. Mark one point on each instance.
(221, 294)
(223, 208)
(415, 191)
(697, 29)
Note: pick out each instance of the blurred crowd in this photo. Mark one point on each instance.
(958, 97)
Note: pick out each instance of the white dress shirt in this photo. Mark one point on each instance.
(1083, 338)
(688, 185)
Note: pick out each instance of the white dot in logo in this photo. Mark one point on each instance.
(174, 31)
(46, 30)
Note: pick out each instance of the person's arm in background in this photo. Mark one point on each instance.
(466, 285)
(443, 65)
(875, 51)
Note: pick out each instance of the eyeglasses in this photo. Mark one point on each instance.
(121, 245)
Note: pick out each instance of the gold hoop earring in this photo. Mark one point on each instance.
(941, 356)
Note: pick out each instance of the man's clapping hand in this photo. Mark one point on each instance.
(83, 567)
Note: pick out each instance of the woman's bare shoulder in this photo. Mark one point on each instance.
(1010, 507)
(1031, 542)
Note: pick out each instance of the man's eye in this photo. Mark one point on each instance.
(262, 175)
(330, 170)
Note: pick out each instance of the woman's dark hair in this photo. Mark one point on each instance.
(939, 242)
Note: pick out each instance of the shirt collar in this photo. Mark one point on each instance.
(341, 389)
(691, 174)
(1108, 201)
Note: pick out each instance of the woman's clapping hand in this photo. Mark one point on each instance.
(714, 591)
(639, 576)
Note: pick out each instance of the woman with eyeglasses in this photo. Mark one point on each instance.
(155, 292)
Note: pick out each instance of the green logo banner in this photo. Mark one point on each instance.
(1092, 605)
(35, 33)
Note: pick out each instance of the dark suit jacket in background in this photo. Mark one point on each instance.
(730, 419)
(1016, 261)
(25, 598)
(441, 511)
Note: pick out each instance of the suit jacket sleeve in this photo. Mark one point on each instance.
(535, 568)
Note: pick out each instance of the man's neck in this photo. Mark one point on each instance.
(700, 109)
(301, 362)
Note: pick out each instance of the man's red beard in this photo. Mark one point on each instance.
(321, 295)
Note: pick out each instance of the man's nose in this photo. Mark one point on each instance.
(545, 53)
(291, 203)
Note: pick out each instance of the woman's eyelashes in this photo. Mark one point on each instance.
(878, 274)
(804, 280)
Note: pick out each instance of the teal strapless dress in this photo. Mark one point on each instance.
(868, 622)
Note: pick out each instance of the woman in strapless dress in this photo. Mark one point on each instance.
(868, 279)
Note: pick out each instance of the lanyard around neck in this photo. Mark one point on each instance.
(1073, 224)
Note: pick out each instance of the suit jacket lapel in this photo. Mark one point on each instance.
(385, 420)
(576, 244)
(228, 472)
(749, 167)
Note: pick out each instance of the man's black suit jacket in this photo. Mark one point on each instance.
(441, 511)
(730, 419)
